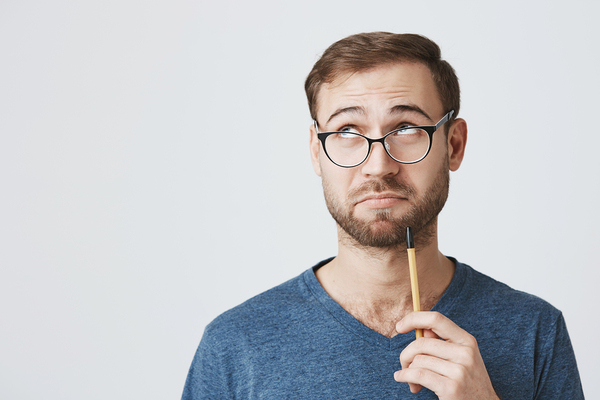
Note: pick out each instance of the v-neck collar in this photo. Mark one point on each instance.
(444, 306)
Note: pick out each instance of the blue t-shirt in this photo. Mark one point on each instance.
(296, 342)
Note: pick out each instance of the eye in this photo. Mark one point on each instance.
(407, 130)
(347, 132)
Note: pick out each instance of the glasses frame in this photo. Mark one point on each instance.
(430, 129)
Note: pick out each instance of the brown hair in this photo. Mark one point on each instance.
(365, 51)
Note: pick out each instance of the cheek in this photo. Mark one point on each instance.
(424, 174)
(437, 157)
(335, 180)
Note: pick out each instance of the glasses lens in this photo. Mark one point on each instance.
(346, 148)
(408, 144)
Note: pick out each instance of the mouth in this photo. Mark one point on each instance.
(381, 200)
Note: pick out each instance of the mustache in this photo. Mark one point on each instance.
(388, 184)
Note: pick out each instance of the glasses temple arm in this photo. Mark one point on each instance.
(442, 121)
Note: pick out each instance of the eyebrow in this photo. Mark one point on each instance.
(347, 110)
(398, 109)
(403, 108)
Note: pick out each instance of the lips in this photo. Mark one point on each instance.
(380, 193)
(381, 200)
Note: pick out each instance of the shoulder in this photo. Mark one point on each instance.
(264, 311)
(522, 338)
(233, 341)
(492, 293)
(485, 306)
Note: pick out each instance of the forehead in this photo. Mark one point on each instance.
(380, 89)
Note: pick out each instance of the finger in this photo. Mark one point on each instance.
(448, 369)
(443, 350)
(414, 387)
(421, 377)
(428, 333)
(436, 322)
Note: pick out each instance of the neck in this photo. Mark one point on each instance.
(373, 284)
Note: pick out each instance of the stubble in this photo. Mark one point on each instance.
(383, 230)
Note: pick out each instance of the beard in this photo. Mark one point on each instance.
(383, 229)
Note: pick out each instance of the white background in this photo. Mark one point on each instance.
(154, 171)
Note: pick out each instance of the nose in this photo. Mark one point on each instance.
(379, 163)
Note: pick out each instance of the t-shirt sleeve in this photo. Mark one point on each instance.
(207, 377)
(556, 370)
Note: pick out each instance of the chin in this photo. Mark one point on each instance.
(381, 215)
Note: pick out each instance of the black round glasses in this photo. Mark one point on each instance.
(406, 145)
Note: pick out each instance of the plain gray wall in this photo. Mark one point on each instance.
(154, 171)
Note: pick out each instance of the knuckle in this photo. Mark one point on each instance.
(469, 363)
(419, 375)
(461, 374)
(471, 342)
(404, 359)
(437, 317)
(419, 359)
(470, 358)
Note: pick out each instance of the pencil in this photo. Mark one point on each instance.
(414, 281)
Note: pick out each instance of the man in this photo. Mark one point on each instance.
(384, 138)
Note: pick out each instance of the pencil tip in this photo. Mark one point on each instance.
(410, 244)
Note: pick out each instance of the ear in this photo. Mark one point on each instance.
(315, 148)
(457, 141)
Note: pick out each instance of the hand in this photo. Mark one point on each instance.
(452, 368)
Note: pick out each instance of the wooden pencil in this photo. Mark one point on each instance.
(414, 281)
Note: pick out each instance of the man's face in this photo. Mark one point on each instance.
(374, 202)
